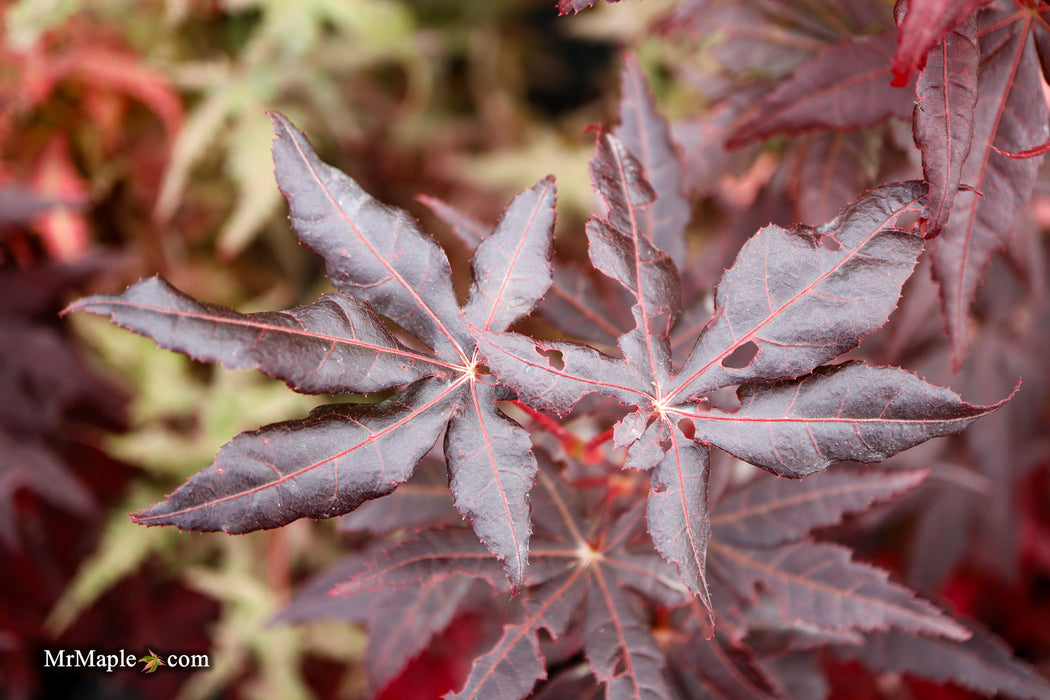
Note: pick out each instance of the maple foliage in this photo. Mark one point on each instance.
(977, 102)
(636, 563)
(344, 455)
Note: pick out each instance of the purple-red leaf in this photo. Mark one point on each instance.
(677, 515)
(580, 571)
(527, 366)
(648, 137)
(1012, 115)
(429, 557)
(946, 97)
(469, 230)
(772, 511)
(925, 23)
(371, 250)
(619, 244)
(833, 167)
(818, 584)
(511, 668)
(590, 308)
(29, 465)
(512, 269)
(713, 668)
(423, 501)
(801, 296)
(492, 468)
(841, 412)
(405, 621)
(620, 645)
(843, 87)
(321, 467)
(335, 345)
(574, 303)
(982, 663)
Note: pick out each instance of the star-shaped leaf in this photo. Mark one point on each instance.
(794, 299)
(344, 455)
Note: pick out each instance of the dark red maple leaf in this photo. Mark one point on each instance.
(946, 97)
(816, 583)
(1011, 116)
(587, 573)
(981, 663)
(343, 455)
(794, 299)
(923, 23)
(843, 87)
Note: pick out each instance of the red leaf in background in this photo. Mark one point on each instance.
(102, 67)
(819, 585)
(717, 668)
(583, 576)
(30, 465)
(833, 167)
(773, 511)
(1012, 115)
(843, 87)
(982, 662)
(423, 501)
(943, 123)
(925, 23)
(64, 231)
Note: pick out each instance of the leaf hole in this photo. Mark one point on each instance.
(687, 428)
(554, 358)
(742, 356)
(908, 219)
(829, 242)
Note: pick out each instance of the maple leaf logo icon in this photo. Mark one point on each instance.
(152, 662)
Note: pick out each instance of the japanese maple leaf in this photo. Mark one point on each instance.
(576, 304)
(794, 299)
(982, 663)
(761, 543)
(1012, 117)
(943, 122)
(924, 23)
(846, 86)
(344, 455)
(587, 574)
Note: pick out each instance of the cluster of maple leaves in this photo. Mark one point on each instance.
(636, 565)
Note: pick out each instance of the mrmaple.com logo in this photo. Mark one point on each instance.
(109, 661)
